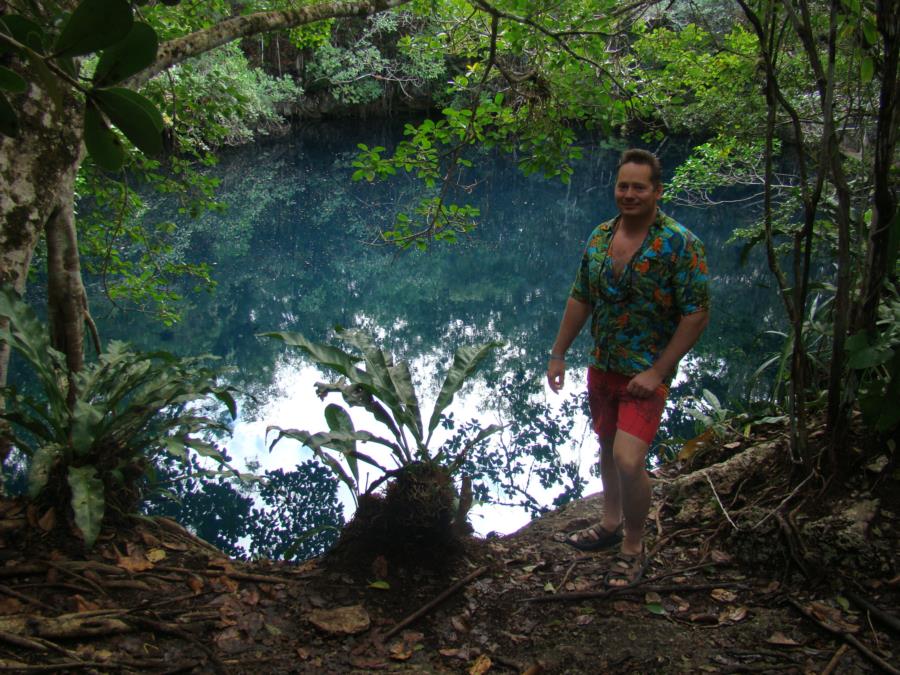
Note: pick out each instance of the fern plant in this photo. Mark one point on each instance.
(384, 388)
(90, 435)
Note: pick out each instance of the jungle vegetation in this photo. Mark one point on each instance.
(791, 101)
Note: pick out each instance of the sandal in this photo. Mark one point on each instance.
(594, 538)
(626, 570)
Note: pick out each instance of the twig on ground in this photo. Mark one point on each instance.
(568, 572)
(835, 660)
(642, 586)
(888, 619)
(850, 639)
(161, 627)
(26, 598)
(434, 603)
(783, 501)
(721, 505)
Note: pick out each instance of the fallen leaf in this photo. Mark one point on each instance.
(135, 561)
(549, 587)
(273, 630)
(482, 665)
(10, 606)
(732, 446)
(404, 649)
(154, 555)
(655, 608)
(175, 545)
(584, 619)
(380, 585)
(733, 615)
(625, 606)
(681, 605)
(83, 605)
(48, 520)
(779, 638)
(348, 620)
(460, 624)
(150, 540)
(723, 595)
(720, 556)
(843, 602)
(832, 617)
(368, 663)
(303, 653)
(228, 583)
(195, 583)
(250, 596)
(460, 653)
(651, 597)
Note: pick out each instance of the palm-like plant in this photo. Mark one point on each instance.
(375, 382)
(89, 435)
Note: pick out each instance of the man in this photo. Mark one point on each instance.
(643, 282)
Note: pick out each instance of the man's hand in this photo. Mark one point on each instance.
(556, 374)
(643, 385)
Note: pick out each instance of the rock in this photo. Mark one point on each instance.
(348, 620)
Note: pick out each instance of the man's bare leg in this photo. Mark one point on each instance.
(612, 488)
(630, 455)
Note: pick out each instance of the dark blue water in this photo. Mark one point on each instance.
(297, 250)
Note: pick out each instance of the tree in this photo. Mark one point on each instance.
(52, 114)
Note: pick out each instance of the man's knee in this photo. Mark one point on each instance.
(630, 455)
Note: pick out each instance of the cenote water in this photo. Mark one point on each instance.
(294, 252)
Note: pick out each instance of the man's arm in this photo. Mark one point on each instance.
(574, 318)
(689, 329)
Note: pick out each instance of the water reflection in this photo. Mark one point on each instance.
(293, 252)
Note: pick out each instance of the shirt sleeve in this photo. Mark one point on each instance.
(581, 289)
(692, 277)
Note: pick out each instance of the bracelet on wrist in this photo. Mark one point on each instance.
(557, 357)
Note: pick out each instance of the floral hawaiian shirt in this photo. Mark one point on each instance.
(635, 315)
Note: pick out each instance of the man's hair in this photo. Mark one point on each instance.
(645, 157)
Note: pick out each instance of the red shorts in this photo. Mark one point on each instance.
(612, 407)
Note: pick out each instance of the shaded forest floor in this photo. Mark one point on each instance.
(747, 571)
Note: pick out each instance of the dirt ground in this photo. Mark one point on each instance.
(749, 569)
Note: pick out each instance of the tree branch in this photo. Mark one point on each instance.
(177, 50)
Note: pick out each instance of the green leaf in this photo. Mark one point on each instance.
(41, 464)
(403, 385)
(867, 69)
(9, 121)
(94, 25)
(130, 56)
(134, 115)
(465, 360)
(339, 420)
(88, 501)
(23, 30)
(102, 143)
(325, 355)
(86, 420)
(655, 608)
(380, 585)
(12, 81)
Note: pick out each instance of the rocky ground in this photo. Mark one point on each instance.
(751, 568)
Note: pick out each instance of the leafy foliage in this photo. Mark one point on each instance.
(91, 435)
(385, 389)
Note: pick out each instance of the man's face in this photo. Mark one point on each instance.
(636, 195)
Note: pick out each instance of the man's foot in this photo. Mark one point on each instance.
(626, 569)
(594, 538)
